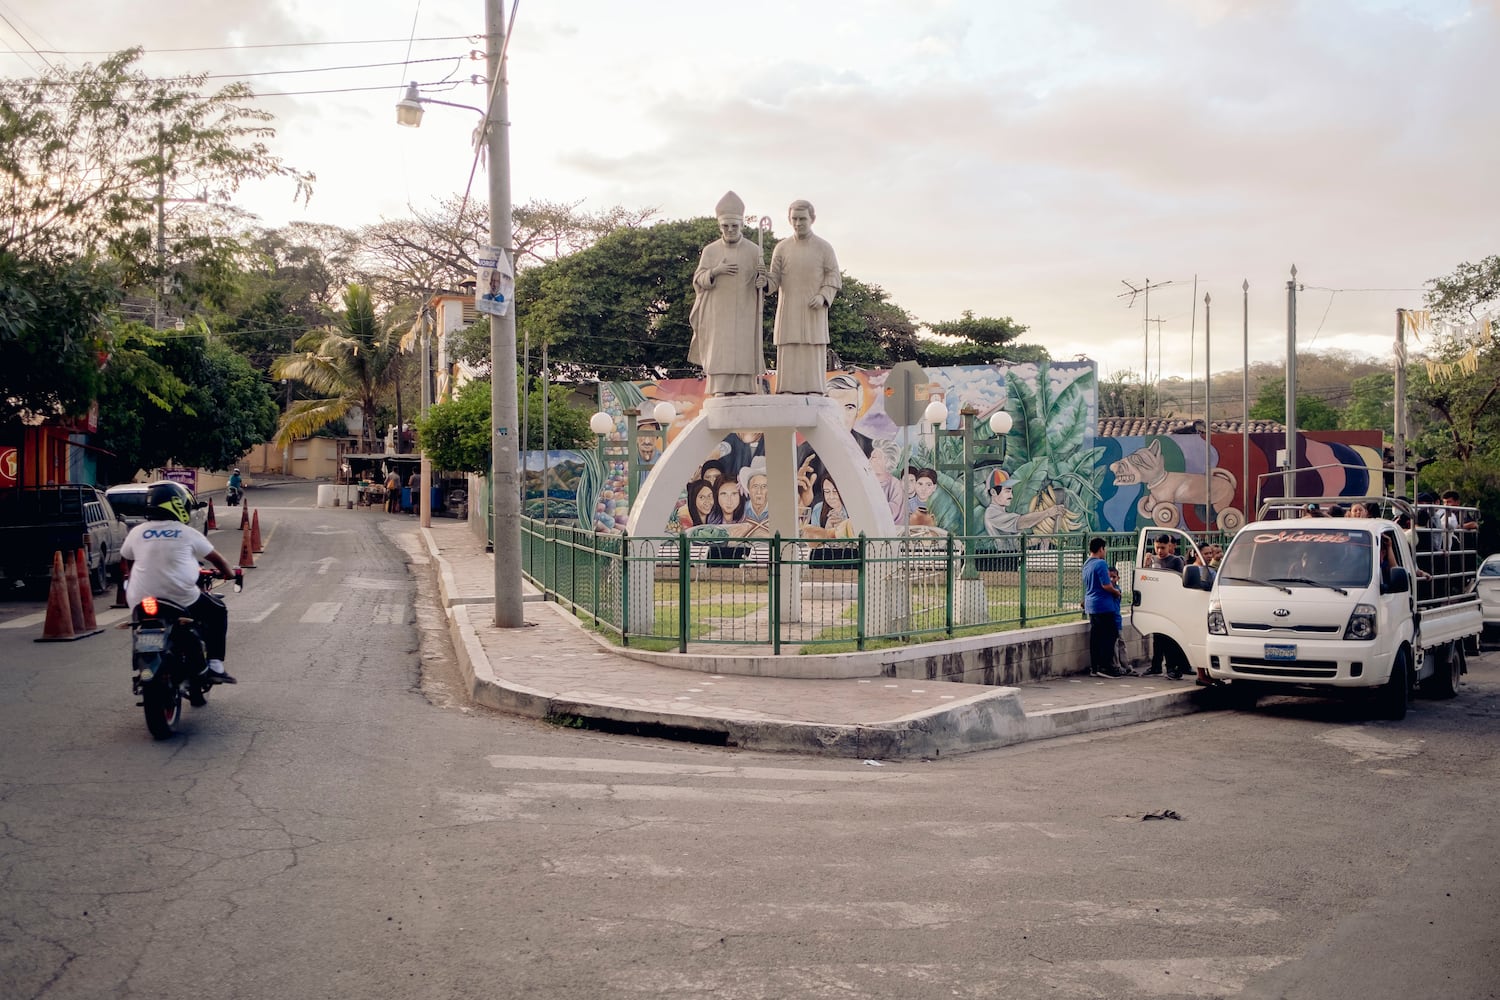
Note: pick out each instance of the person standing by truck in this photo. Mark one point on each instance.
(1101, 602)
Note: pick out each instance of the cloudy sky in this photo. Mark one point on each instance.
(1012, 158)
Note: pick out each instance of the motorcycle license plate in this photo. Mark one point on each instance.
(1281, 652)
(150, 641)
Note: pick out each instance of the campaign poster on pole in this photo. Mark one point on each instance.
(494, 282)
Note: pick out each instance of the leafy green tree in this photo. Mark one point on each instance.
(456, 434)
(978, 340)
(1370, 404)
(84, 152)
(866, 328)
(1313, 413)
(1122, 395)
(619, 306)
(348, 365)
(53, 338)
(1458, 408)
(179, 399)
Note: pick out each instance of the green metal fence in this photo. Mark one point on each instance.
(787, 595)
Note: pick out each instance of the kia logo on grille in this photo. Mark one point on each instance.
(1281, 612)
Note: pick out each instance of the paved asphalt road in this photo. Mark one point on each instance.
(341, 825)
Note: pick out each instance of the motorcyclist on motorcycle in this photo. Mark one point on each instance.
(161, 557)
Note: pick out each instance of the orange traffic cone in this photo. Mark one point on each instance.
(255, 533)
(247, 560)
(85, 593)
(59, 624)
(70, 576)
(244, 514)
(211, 524)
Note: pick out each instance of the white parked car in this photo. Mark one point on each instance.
(1488, 586)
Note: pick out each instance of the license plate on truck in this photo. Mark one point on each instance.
(1281, 652)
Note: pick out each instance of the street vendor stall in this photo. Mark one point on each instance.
(362, 477)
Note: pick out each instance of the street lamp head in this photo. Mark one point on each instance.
(936, 412)
(602, 423)
(409, 108)
(1000, 422)
(665, 413)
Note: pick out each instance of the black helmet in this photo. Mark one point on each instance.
(164, 502)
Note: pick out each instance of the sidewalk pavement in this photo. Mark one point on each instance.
(556, 668)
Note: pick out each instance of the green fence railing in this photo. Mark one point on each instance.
(774, 593)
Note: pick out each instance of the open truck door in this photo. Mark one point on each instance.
(1171, 605)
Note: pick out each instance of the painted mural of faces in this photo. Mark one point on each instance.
(759, 490)
(702, 499)
(845, 390)
(729, 501)
(831, 498)
(926, 485)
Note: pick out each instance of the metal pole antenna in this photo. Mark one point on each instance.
(1398, 414)
(1290, 480)
(509, 609)
(1248, 501)
(1208, 414)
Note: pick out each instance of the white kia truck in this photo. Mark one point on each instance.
(1304, 603)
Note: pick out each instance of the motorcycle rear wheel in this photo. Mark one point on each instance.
(163, 704)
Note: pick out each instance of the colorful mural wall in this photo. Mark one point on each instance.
(1049, 474)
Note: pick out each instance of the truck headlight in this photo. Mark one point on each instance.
(1361, 623)
(1216, 621)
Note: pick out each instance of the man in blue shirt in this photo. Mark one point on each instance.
(1101, 602)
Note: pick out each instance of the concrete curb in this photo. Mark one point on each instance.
(990, 719)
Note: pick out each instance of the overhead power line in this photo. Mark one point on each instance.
(233, 48)
(266, 72)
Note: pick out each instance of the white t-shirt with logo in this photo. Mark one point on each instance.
(165, 554)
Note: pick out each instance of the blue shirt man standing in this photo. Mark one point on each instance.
(1101, 602)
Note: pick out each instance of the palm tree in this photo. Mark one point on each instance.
(347, 364)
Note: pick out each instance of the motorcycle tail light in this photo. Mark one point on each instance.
(148, 605)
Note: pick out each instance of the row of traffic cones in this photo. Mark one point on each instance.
(70, 601)
(249, 539)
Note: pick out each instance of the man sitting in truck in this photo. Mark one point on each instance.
(1166, 556)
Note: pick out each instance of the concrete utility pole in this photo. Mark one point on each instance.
(1289, 482)
(505, 445)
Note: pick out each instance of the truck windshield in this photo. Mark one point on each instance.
(1316, 557)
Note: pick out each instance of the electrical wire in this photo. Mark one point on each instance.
(235, 48)
(22, 36)
(263, 72)
(252, 94)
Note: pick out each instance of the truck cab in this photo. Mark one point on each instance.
(1326, 605)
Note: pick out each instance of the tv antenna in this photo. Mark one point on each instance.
(1143, 290)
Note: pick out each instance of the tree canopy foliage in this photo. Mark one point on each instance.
(179, 399)
(86, 153)
(53, 339)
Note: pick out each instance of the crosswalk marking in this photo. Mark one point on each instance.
(321, 612)
(390, 614)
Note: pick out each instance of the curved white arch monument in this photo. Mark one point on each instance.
(779, 418)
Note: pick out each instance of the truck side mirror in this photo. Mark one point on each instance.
(1396, 582)
(1197, 577)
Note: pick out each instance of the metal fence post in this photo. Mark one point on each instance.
(684, 593)
(625, 588)
(1021, 568)
(861, 592)
(773, 585)
(948, 586)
